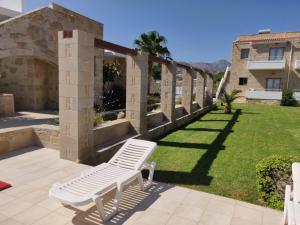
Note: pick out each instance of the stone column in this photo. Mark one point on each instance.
(200, 89)
(76, 94)
(98, 79)
(168, 89)
(187, 90)
(209, 89)
(136, 91)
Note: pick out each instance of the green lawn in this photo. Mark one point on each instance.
(218, 153)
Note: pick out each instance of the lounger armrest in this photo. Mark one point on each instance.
(148, 166)
(287, 199)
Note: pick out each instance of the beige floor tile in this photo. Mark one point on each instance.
(31, 215)
(221, 207)
(19, 191)
(212, 218)
(10, 222)
(250, 214)
(14, 207)
(50, 204)
(153, 216)
(35, 197)
(165, 205)
(272, 218)
(196, 199)
(238, 221)
(67, 211)
(4, 199)
(53, 219)
(189, 212)
(2, 217)
(176, 220)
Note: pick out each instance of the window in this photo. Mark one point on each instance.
(243, 81)
(276, 53)
(244, 53)
(273, 84)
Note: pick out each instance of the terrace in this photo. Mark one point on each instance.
(203, 156)
(33, 170)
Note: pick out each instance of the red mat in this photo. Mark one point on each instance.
(4, 185)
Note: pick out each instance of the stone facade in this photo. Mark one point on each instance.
(259, 51)
(7, 105)
(29, 55)
(136, 91)
(76, 94)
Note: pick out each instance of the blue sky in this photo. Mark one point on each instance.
(196, 30)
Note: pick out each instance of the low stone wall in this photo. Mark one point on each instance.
(112, 130)
(166, 128)
(263, 101)
(108, 138)
(154, 119)
(15, 139)
(7, 105)
(179, 111)
(46, 136)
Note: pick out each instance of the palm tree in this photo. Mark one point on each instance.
(228, 99)
(154, 44)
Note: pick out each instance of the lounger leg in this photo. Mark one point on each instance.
(117, 198)
(151, 172)
(100, 206)
(287, 199)
(141, 181)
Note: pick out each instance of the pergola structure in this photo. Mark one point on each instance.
(81, 56)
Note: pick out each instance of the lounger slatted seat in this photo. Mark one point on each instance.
(292, 198)
(123, 168)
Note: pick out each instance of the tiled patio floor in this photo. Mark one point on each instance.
(32, 171)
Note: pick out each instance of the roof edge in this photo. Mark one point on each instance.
(61, 9)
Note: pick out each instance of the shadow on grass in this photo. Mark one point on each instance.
(199, 174)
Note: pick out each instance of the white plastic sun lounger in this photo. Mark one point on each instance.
(125, 166)
(292, 198)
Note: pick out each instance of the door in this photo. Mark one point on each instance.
(273, 84)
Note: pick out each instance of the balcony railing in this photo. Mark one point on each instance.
(297, 64)
(267, 63)
(263, 94)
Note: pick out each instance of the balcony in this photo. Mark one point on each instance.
(266, 64)
(297, 64)
(263, 94)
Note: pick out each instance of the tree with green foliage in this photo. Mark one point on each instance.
(228, 99)
(154, 44)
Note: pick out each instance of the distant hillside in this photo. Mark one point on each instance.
(214, 67)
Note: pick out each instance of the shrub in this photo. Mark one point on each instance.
(98, 118)
(288, 98)
(273, 174)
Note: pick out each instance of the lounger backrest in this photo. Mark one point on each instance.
(133, 154)
(296, 181)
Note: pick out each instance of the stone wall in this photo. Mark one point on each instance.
(7, 105)
(15, 139)
(257, 79)
(29, 55)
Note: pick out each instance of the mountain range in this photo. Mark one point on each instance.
(213, 67)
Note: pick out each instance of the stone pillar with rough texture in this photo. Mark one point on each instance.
(168, 90)
(200, 89)
(98, 79)
(76, 94)
(187, 90)
(209, 89)
(136, 91)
